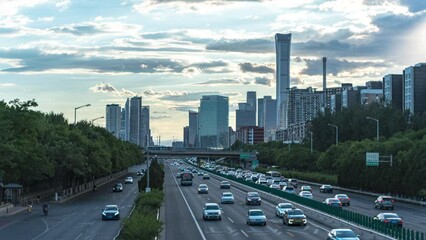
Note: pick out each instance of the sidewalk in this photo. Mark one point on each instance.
(10, 209)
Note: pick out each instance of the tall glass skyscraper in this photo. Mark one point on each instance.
(113, 119)
(213, 122)
(135, 120)
(145, 128)
(193, 129)
(282, 48)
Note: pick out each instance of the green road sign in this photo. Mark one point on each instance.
(245, 155)
(372, 159)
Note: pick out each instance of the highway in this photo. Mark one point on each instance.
(77, 218)
(184, 215)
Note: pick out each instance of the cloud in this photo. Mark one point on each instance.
(336, 66)
(263, 81)
(249, 67)
(296, 81)
(7, 84)
(414, 5)
(222, 82)
(79, 30)
(183, 108)
(242, 45)
(110, 89)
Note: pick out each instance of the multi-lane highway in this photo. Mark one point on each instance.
(77, 218)
(184, 215)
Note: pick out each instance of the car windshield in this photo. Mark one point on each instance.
(345, 234)
(289, 188)
(333, 200)
(118, 185)
(295, 212)
(253, 195)
(326, 186)
(110, 209)
(306, 194)
(387, 216)
(203, 186)
(212, 207)
(285, 205)
(227, 194)
(256, 213)
(387, 199)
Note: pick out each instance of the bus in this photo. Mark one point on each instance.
(186, 179)
(274, 175)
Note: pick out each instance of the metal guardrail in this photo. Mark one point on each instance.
(350, 216)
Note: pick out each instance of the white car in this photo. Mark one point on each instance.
(281, 208)
(275, 186)
(128, 180)
(306, 194)
(256, 216)
(227, 197)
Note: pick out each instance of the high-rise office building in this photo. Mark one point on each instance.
(269, 117)
(186, 136)
(303, 105)
(127, 120)
(392, 90)
(282, 48)
(193, 129)
(414, 88)
(245, 116)
(260, 112)
(145, 128)
(213, 119)
(251, 102)
(113, 119)
(135, 120)
(123, 125)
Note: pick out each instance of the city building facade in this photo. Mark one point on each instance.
(250, 135)
(392, 90)
(414, 88)
(113, 119)
(282, 48)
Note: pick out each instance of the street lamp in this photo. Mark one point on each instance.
(337, 132)
(75, 111)
(148, 188)
(312, 143)
(377, 125)
(93, 120)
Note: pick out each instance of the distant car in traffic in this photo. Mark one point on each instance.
(384, 202)
(128, 180)
(200, 173)
(110, 212)
(306, 188)
(212, 211)
(256, 216)
(225, 185)
(389, 218)
(343, 198)
(202, 188)
(253, 198)
(342, 234)
(294, 217)
(334, 202)
(178, 174)
(326, 188)
(293, 182)
(275, 186)
(139, 173)
(281, 208)
(227, 197)
(206, 176)
(118, 187)
(289, 189)
(306, 194)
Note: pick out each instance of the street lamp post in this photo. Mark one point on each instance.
(93, 120)
(75, 111)
(312, 143)
(377, 126)
(337, 132)
(148, 188)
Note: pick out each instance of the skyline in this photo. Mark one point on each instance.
(69, 53)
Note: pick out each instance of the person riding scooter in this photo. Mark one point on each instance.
(45, 209)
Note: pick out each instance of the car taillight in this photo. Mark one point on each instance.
(400, 221)
(349, 199)
(381, 201)
(386, 221)
(392, 201)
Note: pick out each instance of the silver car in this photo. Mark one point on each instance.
(281, 208)
(306, 194)
(212, 211)
(256, 216)
(227, 197)
(344, 199)
(342, 234)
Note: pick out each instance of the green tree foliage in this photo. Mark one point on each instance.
(156, 177)
(40, 149)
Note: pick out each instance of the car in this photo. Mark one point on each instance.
(342, 234)
(306, 194)
(200, 174)
(110, 212)
(206, 176)
(326, 188)
(256, 216)
(262, 181)
(294, 217)
(281, 208)
(269, 182)
(306, 188)
(202, 188)
(178, 175)
(289, 189)
(227, 197)
(118, 187)
(384, 202)
(253, 198)
(275, 186)
(139, 173)
(128, 180)
(212, 211)
(282, 184)
(389, 218)
(225, 185)
(343, 198)
(293, 182)
(249, 179)
(334, 202)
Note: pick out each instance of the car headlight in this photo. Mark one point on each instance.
(115, 214)
(103, 214)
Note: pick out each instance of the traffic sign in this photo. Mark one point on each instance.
(245, 155)
(372, 159)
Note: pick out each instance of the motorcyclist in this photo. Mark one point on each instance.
(45, 209)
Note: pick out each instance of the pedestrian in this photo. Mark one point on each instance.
(38, 199)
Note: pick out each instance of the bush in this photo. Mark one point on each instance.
(141, 226)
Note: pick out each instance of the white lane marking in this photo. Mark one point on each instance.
(78, 236)
(244, 233)
(291, 234)
(47, 226)
(189, 208)
(232, 221)
(274, 230)
(316, 231)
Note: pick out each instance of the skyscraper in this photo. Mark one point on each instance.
(244, 116)
(127, 120)
(269, 117)
(186, 136)
(113, 119)
(135, 120)
(145, 128)
(282, 48)
(414, 88)
(213, 119)
(192, 129)
(260, 112)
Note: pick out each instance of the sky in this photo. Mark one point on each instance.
(68, 53)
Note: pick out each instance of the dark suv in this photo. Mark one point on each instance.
(383, 202)
(326, 189)
(118, 187)
(253, 198)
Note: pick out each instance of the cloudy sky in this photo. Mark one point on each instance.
(67, 53)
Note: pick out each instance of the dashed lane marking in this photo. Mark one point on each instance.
(244, 233)
(232, 221)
